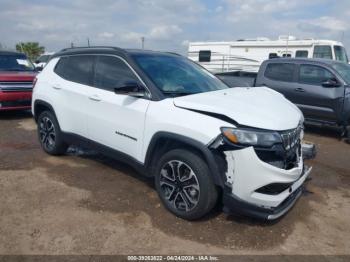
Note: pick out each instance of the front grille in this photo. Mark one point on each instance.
(15, 103)
(291, 138)
(16, 86)
(287, 155)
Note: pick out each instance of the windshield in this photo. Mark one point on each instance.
(343, 70)
(176, 75)
(15, 63)
(340, 54)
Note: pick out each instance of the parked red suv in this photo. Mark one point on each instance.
(17, 74)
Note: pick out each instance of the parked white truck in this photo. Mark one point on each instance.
(248, 54)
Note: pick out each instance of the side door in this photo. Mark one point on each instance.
(317, 100)
(71, 84)
(116, 120)
(280, 77)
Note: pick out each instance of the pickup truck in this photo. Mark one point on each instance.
(319, 87)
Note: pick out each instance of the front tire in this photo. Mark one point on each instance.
(348, 134)
(184, 184)
(50, 135)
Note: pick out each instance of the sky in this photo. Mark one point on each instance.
(168, 25)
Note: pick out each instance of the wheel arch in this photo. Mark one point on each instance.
(162, 142)
(41, 106)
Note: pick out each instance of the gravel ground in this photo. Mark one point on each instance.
(84, 203)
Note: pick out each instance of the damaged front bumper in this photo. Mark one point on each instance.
(233, 204)
(263, 189)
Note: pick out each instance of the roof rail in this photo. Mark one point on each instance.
(89, 47)
(173, 53)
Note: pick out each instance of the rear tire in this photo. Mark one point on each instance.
(50, 135)
(184, 184)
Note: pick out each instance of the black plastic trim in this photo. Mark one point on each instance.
(74, 139)
(234, 205)
(209, 156)
(39, 102)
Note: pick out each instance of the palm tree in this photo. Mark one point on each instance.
(32, 49)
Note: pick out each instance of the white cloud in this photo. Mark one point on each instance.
(327, 23)
(167, 24)
(130, 36)
(164, 32)
(106, 35)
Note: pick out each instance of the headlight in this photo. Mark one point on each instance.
(251, 137)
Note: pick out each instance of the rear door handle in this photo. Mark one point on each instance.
(299, 89)
(95, 98)
(57, 87)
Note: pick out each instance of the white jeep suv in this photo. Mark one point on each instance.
(174, 121)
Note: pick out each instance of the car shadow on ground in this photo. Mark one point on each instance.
(128, 192)
(118, 189)
(15, 115)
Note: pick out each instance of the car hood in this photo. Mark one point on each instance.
(17, 76)
(258, 107)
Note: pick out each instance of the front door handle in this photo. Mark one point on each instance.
(95, 98)
(299, 89)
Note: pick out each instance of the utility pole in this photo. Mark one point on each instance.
(72, 45)
(88, 42)
(143, 42)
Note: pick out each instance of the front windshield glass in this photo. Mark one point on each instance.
(15, 63)
(340, 54)
(343, 70)
(176, 75)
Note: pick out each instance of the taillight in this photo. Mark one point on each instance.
(34, 81)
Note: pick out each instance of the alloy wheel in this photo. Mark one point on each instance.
(47, 133)
(179, 185)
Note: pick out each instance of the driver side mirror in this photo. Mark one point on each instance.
(332, 82)
(131, 89)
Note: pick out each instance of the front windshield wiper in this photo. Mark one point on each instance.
(178, 93)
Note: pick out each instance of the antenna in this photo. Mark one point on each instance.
(143, 42)
(287, 44)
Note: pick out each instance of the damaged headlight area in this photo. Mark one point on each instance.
(251, 137)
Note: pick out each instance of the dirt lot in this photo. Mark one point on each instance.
(88, 204)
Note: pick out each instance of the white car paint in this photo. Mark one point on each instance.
(98, 114)
(255, 107)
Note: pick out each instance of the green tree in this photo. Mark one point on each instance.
(32, 49)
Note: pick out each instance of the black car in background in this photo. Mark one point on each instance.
(319, 87)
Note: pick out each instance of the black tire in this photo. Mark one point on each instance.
(348, 134)
(50, 135)
(185, 161)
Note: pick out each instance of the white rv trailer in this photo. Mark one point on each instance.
(248, 54)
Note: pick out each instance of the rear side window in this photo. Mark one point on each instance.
(323, 51)
(111, 72)
(314, 75)
(302, 53)
(280, 72)
(77, 69)
(204, 56)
